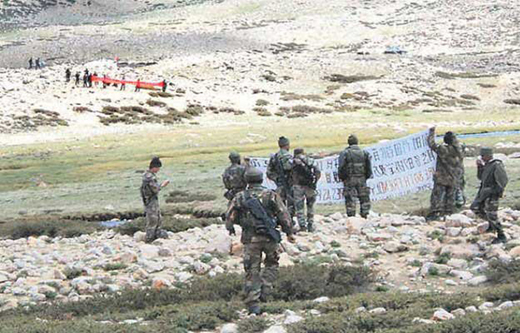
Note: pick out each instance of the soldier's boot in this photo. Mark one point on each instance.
(161, 233)
(310, 226)
(151, 235)
(501, 237)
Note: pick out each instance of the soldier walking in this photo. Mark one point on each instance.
(68, 74)
(279, 171)
(305, 176)
(449, 175)
(77, 76)
(150, 189)
(234, 177)
(31, 63)
(493, 180)
(354, 169)
(259, 211)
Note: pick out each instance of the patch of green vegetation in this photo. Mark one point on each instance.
(499, 272)
(51, 227)
(170, 223)
(437, 234)
(115, 266)
(253, 325)
(443, 258)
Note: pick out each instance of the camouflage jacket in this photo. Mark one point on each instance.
(354, 162)
(280, 167)
(450, 169)
(270, 200)
(301, 172)
(493, 179)
(234, 178)
(150, 189)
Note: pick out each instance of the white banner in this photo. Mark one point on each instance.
(400, 167)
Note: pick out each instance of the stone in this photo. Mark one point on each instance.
(139, 236)
(220, 244)
(378, 311)
(458, 221)
(149, 251)
(336, 216)
(394, 247)
(276, 329)
(151, 266)
(515, 252)
(442, 315)
(183, 276)
(461, 275)
(165, 252)
(458, 263)
(292, 319)
(160, 283)
(360, 309)
(379, 237)
(458, 313)
(486, 306)
(451, 283)
(322, 299)
(483, 227)
(453, 232)
(201, 268)
(505, 305)
(478, 280)
(229, 328)
(471, 309)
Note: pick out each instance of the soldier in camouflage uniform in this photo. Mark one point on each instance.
(493, 180)
(354, 168)
(258, 282)
(279, 171)
(449, 175)
(305, 176)
(234, 177)
(150, 189)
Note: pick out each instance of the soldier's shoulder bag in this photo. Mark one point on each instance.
(307, 173)
(264, 224)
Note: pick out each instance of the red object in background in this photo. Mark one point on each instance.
(144, 85)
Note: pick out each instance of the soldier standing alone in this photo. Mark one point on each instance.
(234, 177)
(449, 174)
(150, 189)
(305, 176)
(354, 169)
(258, 211)
(279, 171)
(493, 180)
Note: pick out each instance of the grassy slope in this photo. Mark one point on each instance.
(87, 175)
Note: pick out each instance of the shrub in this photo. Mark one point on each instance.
(253, 325)
(169, 224)
(261, 102)
(500, 272)
(50, 228)
(152, 102)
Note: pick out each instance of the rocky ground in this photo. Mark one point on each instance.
(406, 253)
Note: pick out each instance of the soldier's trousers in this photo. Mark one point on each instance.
(488, 210)
(153, 221)
(287, 198)
(258, 281)
(442, 200)
(304, 195)
(357, 188)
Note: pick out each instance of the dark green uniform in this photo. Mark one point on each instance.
(304, 177)
(279, 170)
(354, 169)
(258, 282)
(150, 189)
(493, 181)
(448, 177)
(234, 180)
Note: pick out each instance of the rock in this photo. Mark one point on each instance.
(292, 319)
(151, 266)
(478, 280)
(322, 299)
(139, 236)
(303, 247)
(422, 321)
(336, 216)
(393, 247)
(453, 232)
(160, 283)
(483, 227)
(183, 276)
(165, 252)
(220, 244)
(458, 263)
(458, 313)
(505, 305)
(379, 237)
(201, 268)
(458, 221)
(430, 267)
(515, 252)
(276, 329)
(378, 311)
(486, 306)
(149, 251)
(451, 283)
(229, 328)
(361, 309)
(462, 275)
(442, 315)
(3, 278)
(471, 309)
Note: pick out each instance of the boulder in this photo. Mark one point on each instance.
(453, 232)
(393, 247)
(458, 221)
(229, 328)
(478, 280)
(442, 315)
(515, 252)
(222, 243)
(458, 263)
(276, 329)
(378, 311)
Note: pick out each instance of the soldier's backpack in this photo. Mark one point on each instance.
(273, 168)
(307, 174)
(353, 164)
(234, 178)
(260, 220)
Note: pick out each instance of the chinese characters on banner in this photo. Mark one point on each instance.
(400, 167)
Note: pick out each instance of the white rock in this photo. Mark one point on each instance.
(442, 315)
(292, 319)
(458, 220)
(461, 275)
(183, 276)
(453, 232)
(151, 266)
(336, 216)
(322, 299)
(201, 268)
(378, 237)
(361, 309)
(486, 306)
(221, 244)
(378, 311)
(276, 329)
(139, 236)
(505, 305)
(458, 263)
(393, 247)
(478, 280)
(229, 328)
(471, 309)
(451, 283)
(149, 251)
(458, 312)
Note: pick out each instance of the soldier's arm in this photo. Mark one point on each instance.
(368, 165)
(282, 214)
(232, 215)
(152, 185)
(317, 171)
(225, 180)
(431, 140)
(501, 178)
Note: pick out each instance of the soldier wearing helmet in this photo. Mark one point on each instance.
(234, 176)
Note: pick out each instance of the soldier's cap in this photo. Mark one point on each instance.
(353, 140)
(254, 175)
(234, 156)
(486, 151)
(283, 141)
(155, 163)
(448, 137)
(298, 151)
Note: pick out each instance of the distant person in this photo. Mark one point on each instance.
(165, 85)
(105, 81)
(123, 83)
(31, 63)
(90, 80)
(150, 189)
(77, 76)
(68, 74)
(95, 75)
(85, 80)
(38, 63)
(138, 85)
(493, 180)
(447, 179)
(354, 169)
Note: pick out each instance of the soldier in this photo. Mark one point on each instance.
(38, 63)
(259, 211)
(493, 180)
(234, 177)
(449, 175)
(77, 76)
(279, 171)
(68, 74)
(305, 176)
(354, 168)
(164, 86)
(31, 63)
(150, 189)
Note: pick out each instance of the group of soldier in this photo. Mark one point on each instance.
(35, 64)
(259, 211)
